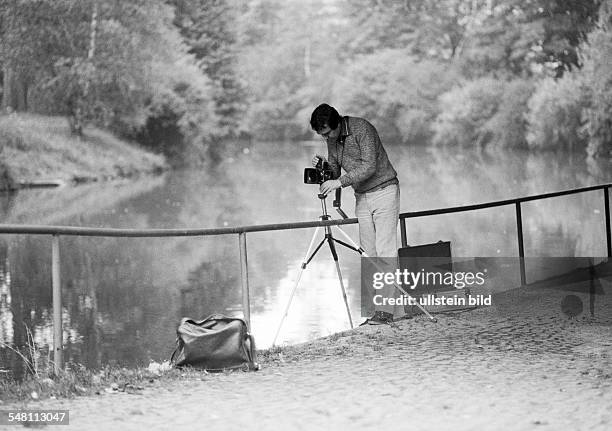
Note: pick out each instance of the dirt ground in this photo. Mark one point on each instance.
(520, 364)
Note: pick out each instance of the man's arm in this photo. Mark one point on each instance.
(367, 139)
(333, 184)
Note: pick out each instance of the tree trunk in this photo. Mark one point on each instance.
(93, 31)
(7, 93)
(78, 111)
(15, 91)
(75, 121)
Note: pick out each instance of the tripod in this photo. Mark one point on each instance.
(331, 242)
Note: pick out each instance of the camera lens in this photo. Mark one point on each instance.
(311, 176)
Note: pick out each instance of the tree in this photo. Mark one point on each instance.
(208, 27)
(396, 92)
(466, 110)
(115, 64)
(597, 75)
(33, 33)
(520, 38)
(555, 114)
(289, 62)
(423, 28)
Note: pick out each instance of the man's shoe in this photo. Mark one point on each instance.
(379, 318)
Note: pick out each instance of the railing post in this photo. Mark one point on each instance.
(57, 306)
(403, 232)
(521, 247)
(244, 275)
(607, 213)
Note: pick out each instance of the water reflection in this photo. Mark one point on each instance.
(124, 297)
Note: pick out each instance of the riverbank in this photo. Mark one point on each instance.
(36, 149)
(519, 364)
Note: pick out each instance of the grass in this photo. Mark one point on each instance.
(35, 147)
(76, 380)
(40, 381)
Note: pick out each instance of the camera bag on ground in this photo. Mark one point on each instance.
(432, 258)
(214, 344)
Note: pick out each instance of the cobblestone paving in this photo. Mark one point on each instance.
(520, 364)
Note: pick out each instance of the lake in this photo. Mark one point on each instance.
(123, 297)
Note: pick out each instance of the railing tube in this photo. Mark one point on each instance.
(58, 360)
(521, 246)
(244, 275)
(607, 213)
(403, 232)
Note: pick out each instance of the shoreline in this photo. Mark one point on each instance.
(39, 151)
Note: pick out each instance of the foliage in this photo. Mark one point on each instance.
(288, 62)
(77, 380)
(209, 30)
(485, 111)
(375, 58)
(423, 28)
(465, 112)
(597, 76)
(115, 64)
(554, 116)
(522, 38)
(181, 74)
(41, 148)
(395, 92)
(508, 126)
(506, 37)
(7, 180)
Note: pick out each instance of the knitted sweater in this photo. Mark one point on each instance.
(360, 153)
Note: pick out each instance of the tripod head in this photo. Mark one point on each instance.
(336, 204)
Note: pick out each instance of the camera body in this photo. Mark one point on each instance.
(319, 174)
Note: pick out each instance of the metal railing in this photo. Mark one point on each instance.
(519, 217)
(241, 231)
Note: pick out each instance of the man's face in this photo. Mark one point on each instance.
(328, 133)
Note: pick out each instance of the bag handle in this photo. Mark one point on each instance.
(211, 318)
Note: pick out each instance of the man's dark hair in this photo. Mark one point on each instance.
(322, 115)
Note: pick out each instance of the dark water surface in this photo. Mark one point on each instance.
(123, 297)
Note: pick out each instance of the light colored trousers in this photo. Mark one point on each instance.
(378, 214)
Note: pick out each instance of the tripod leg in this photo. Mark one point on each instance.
(348, 310)
(307, 258)
(332, 247)
(350, 240)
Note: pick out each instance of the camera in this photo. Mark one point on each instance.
(319, 174)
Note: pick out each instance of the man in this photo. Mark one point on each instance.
(353, 144)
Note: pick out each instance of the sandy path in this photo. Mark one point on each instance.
(522, 367)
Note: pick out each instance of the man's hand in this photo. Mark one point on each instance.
(329, 186)
(316, 158)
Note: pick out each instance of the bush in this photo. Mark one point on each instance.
(7, 181)
(508, 126)
(465, 111)
(597, 56)
(554, 116)
(395, 92)
(486, 111)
